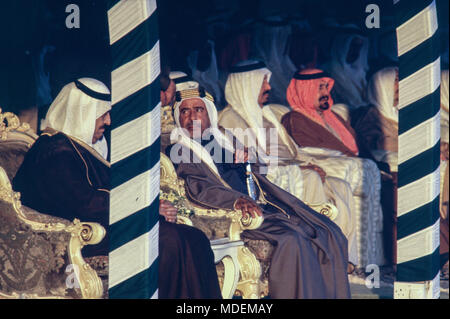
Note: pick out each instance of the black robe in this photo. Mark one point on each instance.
(186, 264)
(62, 178)
(310, 256)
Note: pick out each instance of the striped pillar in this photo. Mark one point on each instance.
(135, 139)
(419, 150)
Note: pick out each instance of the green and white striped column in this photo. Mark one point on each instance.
(419, 150)
(135, 144)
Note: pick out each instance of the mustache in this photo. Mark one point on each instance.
(324, 98)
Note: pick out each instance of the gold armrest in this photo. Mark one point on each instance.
(81, 234)
(184, 221)
(326, 209)
(186, 209)
(173, 190)
(238, 222)
(248, 222)
(11, 128)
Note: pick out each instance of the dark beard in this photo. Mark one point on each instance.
(268, 97)
(325, 106)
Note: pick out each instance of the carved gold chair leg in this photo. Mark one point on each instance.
(227, 252)
(231, 277)
(249, 285)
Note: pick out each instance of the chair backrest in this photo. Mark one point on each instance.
(15, 140)
(168, 173)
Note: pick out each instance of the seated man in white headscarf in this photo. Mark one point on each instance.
(168, 83)
(64, 175)
(310, 251)
(377, 125)
(247, 90)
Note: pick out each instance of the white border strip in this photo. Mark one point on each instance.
(135, 135)
(418, 193)
(126, 15)
(417, 29)
(133, 257)
(134, 195)
(134, 75)
(419, 139)
(420, 84)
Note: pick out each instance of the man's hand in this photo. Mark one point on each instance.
(167, 210)
(247, 206)
(316, 168)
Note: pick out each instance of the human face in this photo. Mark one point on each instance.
(194, 110)
(100, 126)
(321, 102)
(168, 96)
(263, 96)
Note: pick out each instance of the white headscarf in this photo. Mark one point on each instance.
(180, 136)
(241, 92)
(177, 75)
(350, 78)
(183, 81)
(381, 91)
(74, 113)
(444, 106)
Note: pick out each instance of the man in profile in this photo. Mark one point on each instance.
(66, 174)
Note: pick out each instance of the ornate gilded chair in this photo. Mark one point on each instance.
(245, 269)
(239, 270)
(40, 255)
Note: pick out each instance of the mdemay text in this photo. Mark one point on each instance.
(234, 308)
